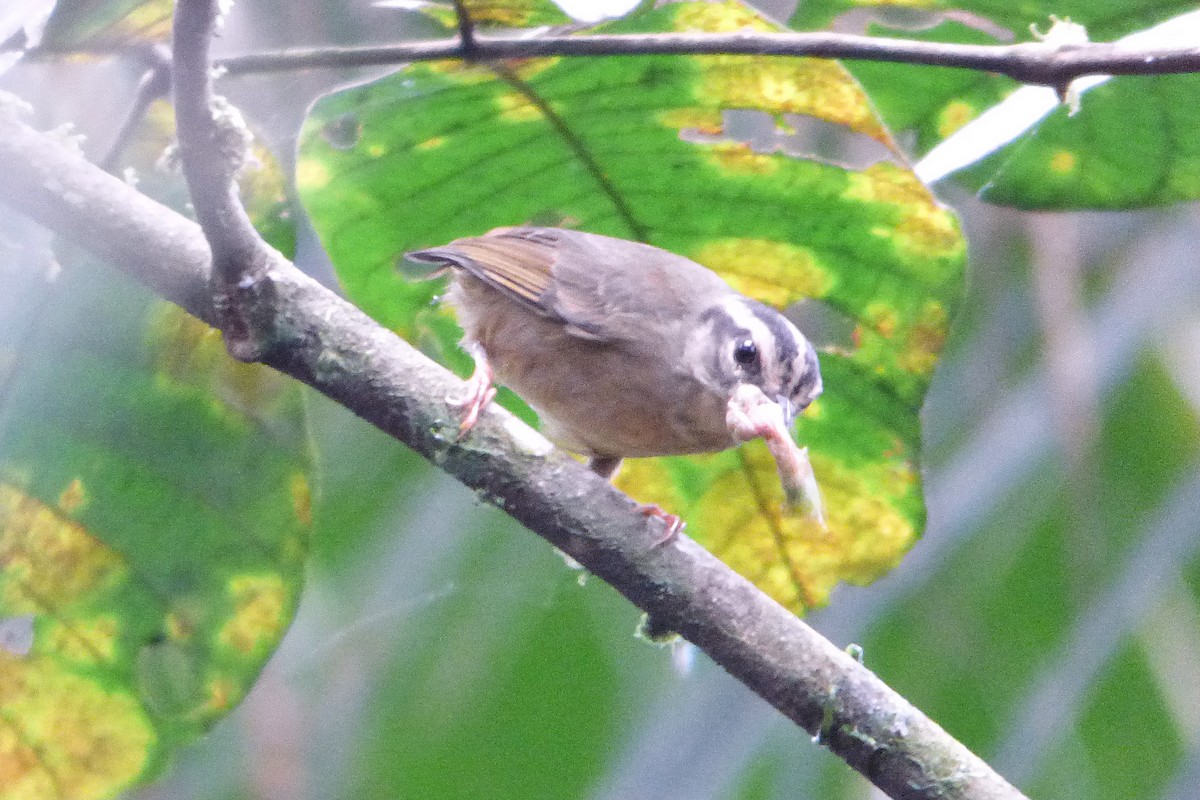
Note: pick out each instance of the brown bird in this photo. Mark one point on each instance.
(628, 350)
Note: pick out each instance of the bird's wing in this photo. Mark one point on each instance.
(520, 266)
(600, 288)
(518, 262)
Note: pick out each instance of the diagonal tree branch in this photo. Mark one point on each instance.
(1040, 63)
(332, 346)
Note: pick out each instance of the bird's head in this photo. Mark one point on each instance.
(742, 342)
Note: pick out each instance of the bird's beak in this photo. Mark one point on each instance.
(789, 410)
(751, 414)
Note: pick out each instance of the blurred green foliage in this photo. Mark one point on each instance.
(155, 508)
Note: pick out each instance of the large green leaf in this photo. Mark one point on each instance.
(154, 514)
(443, 150)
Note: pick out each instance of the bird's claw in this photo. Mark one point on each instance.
(477, 399)
(674, 524)
(480, 392)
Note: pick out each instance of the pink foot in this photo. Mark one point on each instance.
(674, 524)
(480, 391)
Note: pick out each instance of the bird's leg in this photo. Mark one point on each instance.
(480, 391)
(606, 467)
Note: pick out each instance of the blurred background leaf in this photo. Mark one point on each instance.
(155, 506)
(154, 516)
(930, 102)
(108, 24)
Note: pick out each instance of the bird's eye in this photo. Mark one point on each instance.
(745, 352)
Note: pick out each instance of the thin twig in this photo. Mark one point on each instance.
(1030, 62)
(154, 84)
(213, 141)
(341, 352)
(466, 29)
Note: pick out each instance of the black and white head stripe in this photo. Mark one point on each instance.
(784, 338)
(786, 364)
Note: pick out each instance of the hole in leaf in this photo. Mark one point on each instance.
(343, 132)
(826, 141)
(16, 634)
(801, 136)
(913, 20)
(822, 324)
